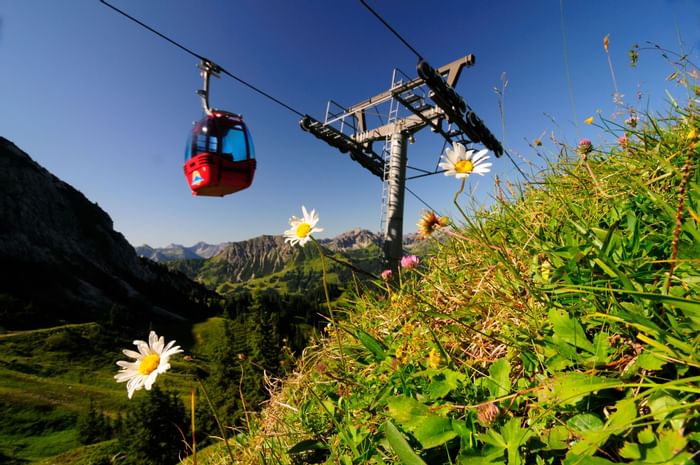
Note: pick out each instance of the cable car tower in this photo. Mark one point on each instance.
(431, 101)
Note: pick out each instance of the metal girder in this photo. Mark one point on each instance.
(409, 124)
(453, 71)
(361, 153)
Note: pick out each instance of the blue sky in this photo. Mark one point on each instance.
(106, 105)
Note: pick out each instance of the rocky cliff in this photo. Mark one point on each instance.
(61, 260)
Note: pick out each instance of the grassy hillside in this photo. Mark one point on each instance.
(48, 377)
(560, 326)
(303, 274)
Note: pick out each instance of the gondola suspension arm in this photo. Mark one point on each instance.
(207, 69)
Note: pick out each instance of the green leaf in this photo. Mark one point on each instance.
(307, 444)
(434, 431)
(493, 438)
(624, 415)
(443, 381)
(630, 451)
(601, 342)
(460, 427)
(667, 449)
(589, 428)
(584, 422)
(429, 429)
(569, 330)
(372, 345)
(498, 382)
(650, 360)
(646, 436)
(570, 388)
(556, 438)
(488, 455)
(515, 436)
(665, 408)
(407, 411)
(400, 446)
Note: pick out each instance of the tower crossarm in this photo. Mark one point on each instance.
(450, 73)
(409, 124)
(359, 152)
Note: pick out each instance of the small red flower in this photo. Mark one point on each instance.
(584, 147)
(409, 262)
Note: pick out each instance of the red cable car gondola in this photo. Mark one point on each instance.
(219, 157)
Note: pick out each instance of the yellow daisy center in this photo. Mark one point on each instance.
(149, 363)
(303, 230)
(464, 166)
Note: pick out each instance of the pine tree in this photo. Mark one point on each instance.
(93, 426)
(153, 429)
(222, 383)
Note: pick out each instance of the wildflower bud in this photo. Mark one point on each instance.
(623, 141)
(409, 262)
(588, 120)
(584, 147)
(632, 121)
(487, 413)
(692, 135)
(386, 275)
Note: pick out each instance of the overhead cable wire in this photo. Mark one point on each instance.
(388, 26)
(420, 200)
(430, 173)
(203, 58)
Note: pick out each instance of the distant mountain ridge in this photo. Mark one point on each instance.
(200, 250)
(62, 260)
(356, 238)
(269, 263)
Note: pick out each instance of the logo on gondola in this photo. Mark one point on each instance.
(197, 178)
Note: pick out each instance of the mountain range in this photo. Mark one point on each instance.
(268, 262)
(353, 239)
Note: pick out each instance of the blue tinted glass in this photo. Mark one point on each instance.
(188, 148)
(233, 143)
(204, 143)
(251, 148)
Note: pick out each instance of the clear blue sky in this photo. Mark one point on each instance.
(106, 105)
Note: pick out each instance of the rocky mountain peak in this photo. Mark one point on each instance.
(60, 252)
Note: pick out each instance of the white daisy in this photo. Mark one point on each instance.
(150, 361)
(460, 162)
(302, 228)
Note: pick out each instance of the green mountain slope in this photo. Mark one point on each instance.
(268, 264)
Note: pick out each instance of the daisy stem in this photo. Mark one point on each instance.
(194, 436)
(328, 301)
(461, 189)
